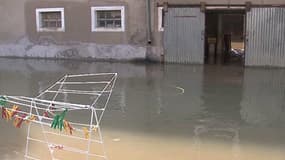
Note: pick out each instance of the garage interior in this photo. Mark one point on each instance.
(225, 36)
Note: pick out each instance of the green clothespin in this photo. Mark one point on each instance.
(58, 120)
(3, 101)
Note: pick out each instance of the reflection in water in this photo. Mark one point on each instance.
(263, 96)
(231, 134)
(223, 113)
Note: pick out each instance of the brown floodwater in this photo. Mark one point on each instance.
(166, 112)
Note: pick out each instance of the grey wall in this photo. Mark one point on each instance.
(19, 38)
(18, 20)
(78, 22)
(12, 19)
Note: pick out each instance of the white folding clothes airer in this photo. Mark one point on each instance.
(84, 97)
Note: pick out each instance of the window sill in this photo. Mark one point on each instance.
(50, 30)
(107, 30)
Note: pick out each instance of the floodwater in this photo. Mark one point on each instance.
(168, 112)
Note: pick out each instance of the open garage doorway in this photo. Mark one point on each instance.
(225, 36)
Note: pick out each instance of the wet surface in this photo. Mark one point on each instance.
(168, 112)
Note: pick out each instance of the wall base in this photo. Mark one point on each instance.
(26, 49)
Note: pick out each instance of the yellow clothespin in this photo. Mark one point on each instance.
(30, 118)
(86, 132)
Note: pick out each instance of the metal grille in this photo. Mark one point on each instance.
(109, 19)
(51, 20)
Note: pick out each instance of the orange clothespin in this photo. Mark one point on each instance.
(67, 127)
(18, 121)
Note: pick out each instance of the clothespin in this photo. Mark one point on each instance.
(58, 120)
(30, 118)
(4, 113)
(3, 101)
(13, 111)
(18, 121)
(53, 147)
(45, 114)
(86, 132)
(8, 114)
(94, 128)
(59, 147)
(67, 127)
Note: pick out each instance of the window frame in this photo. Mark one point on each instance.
(94, 27)
(160, 17)
(39, 20)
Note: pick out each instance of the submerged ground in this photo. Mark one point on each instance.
(167, 112)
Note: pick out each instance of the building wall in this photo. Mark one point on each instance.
(12, 19)
(19, 20)
(78, 22)
(19, 37)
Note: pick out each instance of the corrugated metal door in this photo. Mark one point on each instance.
(265, 41)
(184, 35)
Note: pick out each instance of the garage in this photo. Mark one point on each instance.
(242, 35)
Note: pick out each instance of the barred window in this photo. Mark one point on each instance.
(50, 19)
(108, 18)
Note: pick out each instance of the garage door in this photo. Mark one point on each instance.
(265, 37)
(184, 35)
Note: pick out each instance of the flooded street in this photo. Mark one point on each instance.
(168, 112)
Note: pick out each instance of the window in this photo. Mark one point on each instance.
(50, 19)
(105, 19)
(160, 19)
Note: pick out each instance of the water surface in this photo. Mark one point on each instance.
(166, 112)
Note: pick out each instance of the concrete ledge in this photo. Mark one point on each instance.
(26, 49)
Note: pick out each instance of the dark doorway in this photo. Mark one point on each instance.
(224, 42)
